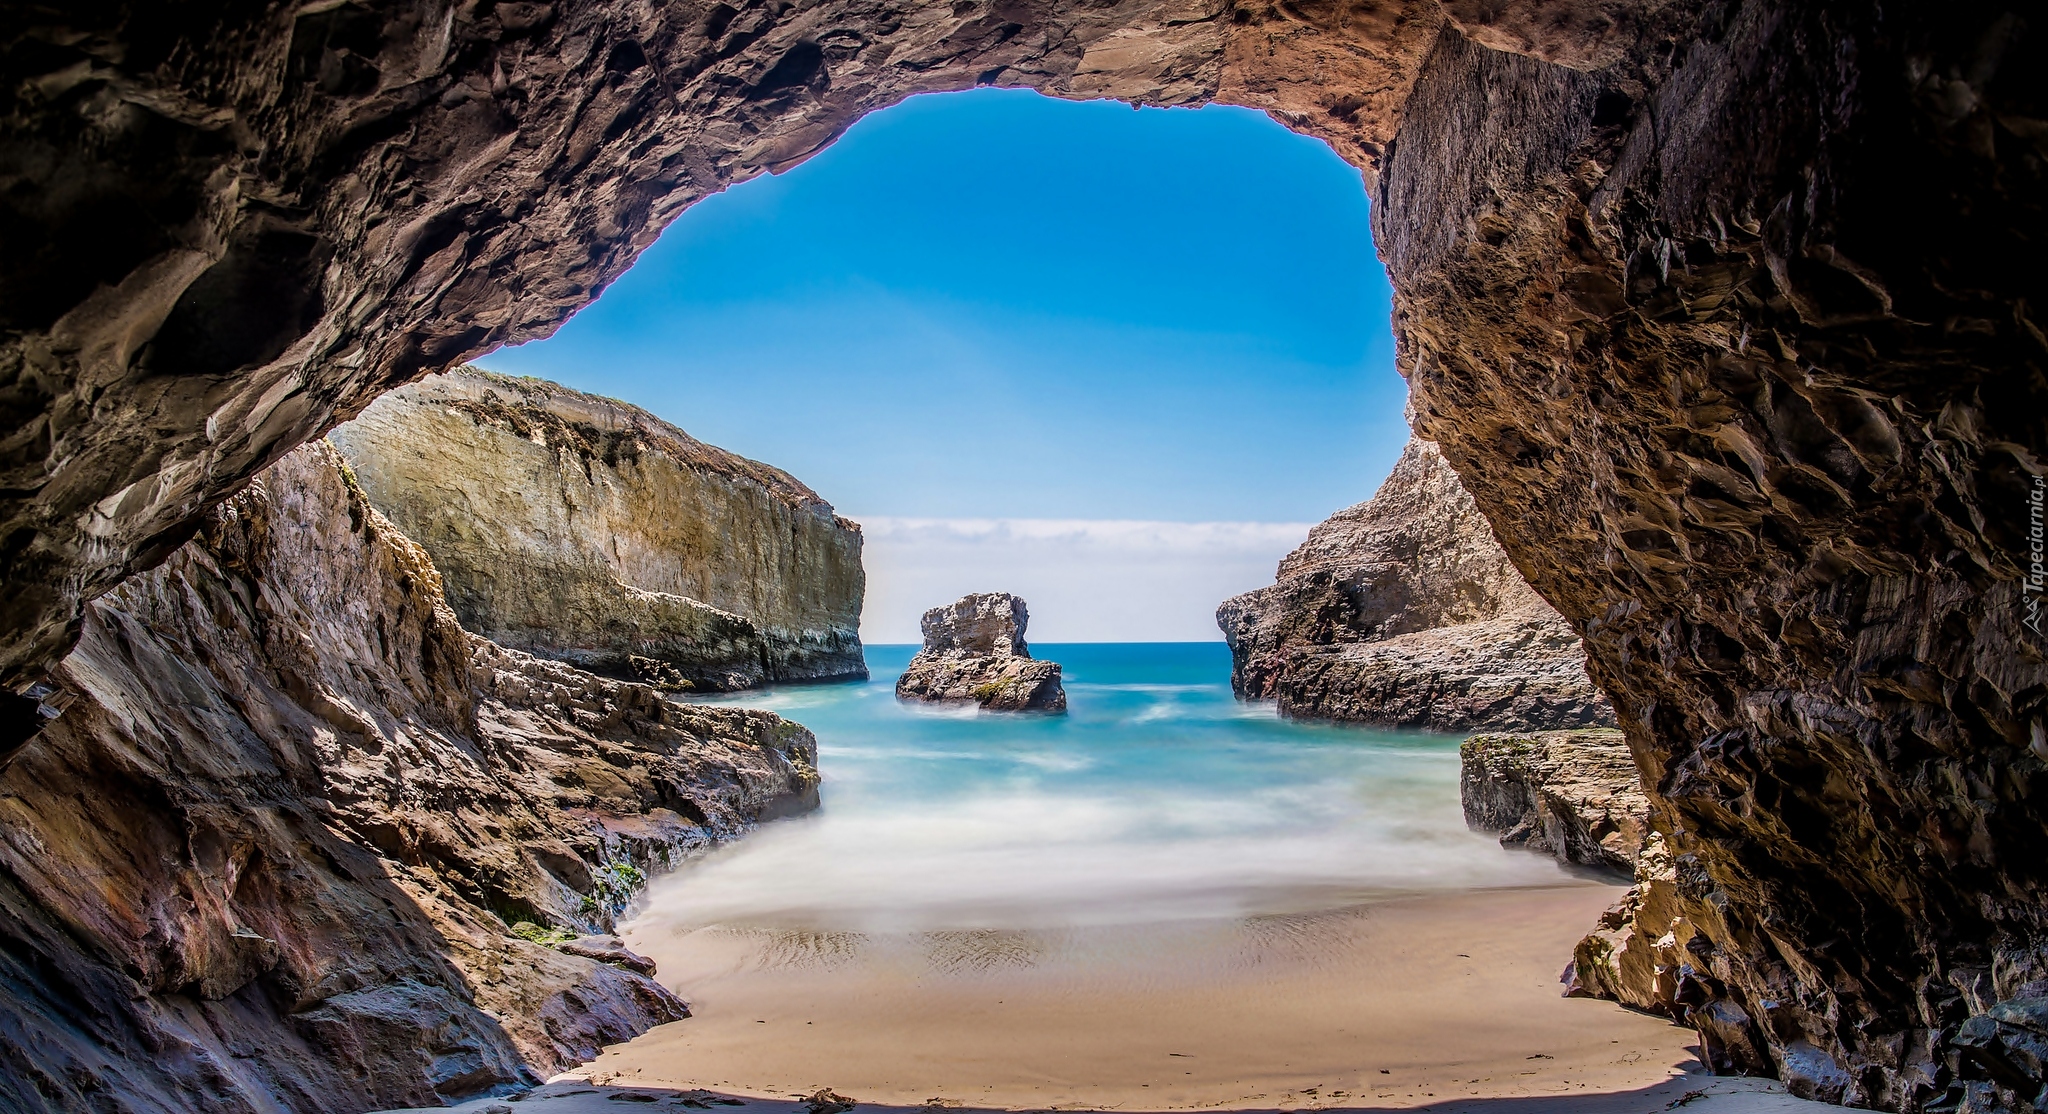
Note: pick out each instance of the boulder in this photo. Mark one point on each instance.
(974, 652)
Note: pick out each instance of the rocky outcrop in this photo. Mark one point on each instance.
(1712, 307)
(1571, 794)
(1576, 795)
(273, 855)
(1403, 610)
(588, 530)
(1637, 954)
(974, 652)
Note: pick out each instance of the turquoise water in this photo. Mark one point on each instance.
(1157, 798)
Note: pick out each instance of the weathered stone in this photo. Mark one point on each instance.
(1637, 953)
(1719, 323)
(588, 530)
(1403, 610)
(269, 856)
(1572, 794)
(974, 652)
(1727, 353)
(608, 949)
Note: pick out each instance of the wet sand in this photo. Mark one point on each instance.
(1400, 1003)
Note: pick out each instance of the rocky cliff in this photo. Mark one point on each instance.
(588, 530)
(272, 854)
(1403, 610)
(974, 653)
(1713, 308)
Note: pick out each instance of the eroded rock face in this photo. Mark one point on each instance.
(270, 854)
(1403, 610)
(1730, 353)
(974, 653)
(1712, 307)
(1572, 794)
(588, 530)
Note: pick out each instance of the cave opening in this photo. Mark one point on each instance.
(1773, 451)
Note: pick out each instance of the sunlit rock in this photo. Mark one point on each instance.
(1404, 611)
(588, 530)
(974, 652)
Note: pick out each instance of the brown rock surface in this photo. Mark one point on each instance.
(1577, 795)
(974, 653)
(1573, 794)
(588, 530)
(269, 856)
(1403, 610)
(1732, 354)
(1725, 324)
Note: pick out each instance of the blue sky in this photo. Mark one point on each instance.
(994, 306)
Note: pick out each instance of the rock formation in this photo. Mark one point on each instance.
(588, 530)
(974, 652)
(272, 854)
(1576, 795)
(1713, 308)
(1403, 610)
(1573, 794)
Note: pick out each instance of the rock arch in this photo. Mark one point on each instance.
(1720, 310)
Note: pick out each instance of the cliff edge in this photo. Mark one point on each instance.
(1403, 610)
(588, 530)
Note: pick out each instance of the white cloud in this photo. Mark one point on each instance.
(1086, 580)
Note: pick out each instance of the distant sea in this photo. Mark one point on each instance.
(1157, 798)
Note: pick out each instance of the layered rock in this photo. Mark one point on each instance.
(974, 652)
(1571, 794)
(588, 530)
(1712, 308)
(272, 854)
(1731, 356)
(1576, 795)
(1403, 610)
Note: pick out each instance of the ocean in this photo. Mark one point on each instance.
(1158, 797)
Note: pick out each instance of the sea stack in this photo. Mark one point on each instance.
(974, 651)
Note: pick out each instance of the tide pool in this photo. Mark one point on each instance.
(1158, 798)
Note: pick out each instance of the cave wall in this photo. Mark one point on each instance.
(1734, 343)
(1726, 314)
(231, 224)
(269, 858)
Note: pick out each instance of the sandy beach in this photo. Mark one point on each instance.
(1401, 1003)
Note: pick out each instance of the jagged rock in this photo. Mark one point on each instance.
(1637, 954)
(1713, 308)
(1573, 794)
(588, 530)
(269, 856)
(974, 652)
(1403, 610)
(1576, 795)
